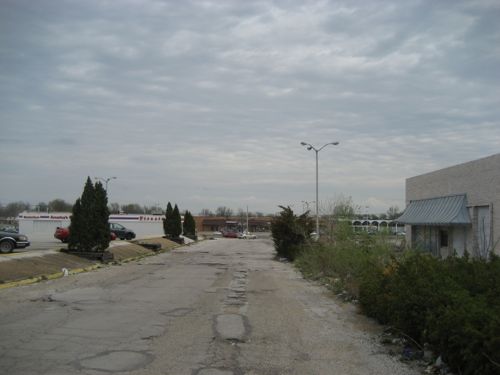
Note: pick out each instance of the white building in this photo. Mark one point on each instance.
(455, 209)
(39, 226)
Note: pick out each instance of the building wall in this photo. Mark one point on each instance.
(480, 180)
(41, 227)
(213, 223)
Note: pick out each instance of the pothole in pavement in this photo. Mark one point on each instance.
(231, 327)
(46, 298)
(116, 361)
(236, 295)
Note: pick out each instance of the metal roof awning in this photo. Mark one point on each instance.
(449, 210)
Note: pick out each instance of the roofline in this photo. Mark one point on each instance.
(441, 196)
(455, 165)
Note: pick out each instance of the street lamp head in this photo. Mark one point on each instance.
(335, 143)
(303, 143)
(309, 148)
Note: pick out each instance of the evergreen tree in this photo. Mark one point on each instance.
(167, 222)
(76, 226)
(89, 228)
(189, 224)
(289, 231)
(176, 222)
(87, 202)
(101, 218)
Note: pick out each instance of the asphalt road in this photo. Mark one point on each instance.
(220, 307)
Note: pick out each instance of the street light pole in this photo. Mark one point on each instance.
(106, 180)
(317, 150)
(306, 205)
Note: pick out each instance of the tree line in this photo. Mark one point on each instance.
(15, 208)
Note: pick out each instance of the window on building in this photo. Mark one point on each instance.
(443, 238)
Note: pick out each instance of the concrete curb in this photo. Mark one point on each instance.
(57, 275)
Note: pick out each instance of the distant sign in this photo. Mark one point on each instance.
(34, 216)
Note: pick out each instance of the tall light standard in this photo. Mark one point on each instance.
(317, 150)
(306, 205)
(106, 180)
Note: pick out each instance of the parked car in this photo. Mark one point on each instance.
(230, 234)
(10, 240)
(62, 234)
(247, 236)
(121, 232)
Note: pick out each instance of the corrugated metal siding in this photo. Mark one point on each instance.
(437, 211)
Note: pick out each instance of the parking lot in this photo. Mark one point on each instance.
(37, 248)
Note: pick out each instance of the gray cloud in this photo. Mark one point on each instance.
(205, 102)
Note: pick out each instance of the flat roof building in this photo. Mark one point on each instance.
(455, 209)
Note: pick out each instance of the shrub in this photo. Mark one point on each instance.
(345, 260)
(373, 292)
(289, 232)
(189, 225)
(416, 288)
(478, 276)
(462, 330)
(451, 304)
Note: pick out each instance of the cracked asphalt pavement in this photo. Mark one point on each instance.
(219, 307)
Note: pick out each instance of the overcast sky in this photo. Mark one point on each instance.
(205, 103)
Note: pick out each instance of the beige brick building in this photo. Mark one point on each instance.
(455, 209)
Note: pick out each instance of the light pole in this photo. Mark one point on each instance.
(306, 205)
(106, 180)
(317, 150)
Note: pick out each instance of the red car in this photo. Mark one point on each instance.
(62, 234)
(230, 234)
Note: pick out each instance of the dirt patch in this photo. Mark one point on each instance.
(49, 264)
(124, 252)
(25, 268)
(135, 250)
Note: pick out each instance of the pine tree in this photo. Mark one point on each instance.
(89, 228)
(167, 222)
(75, 228)
(189, 224)
(87, 201)
(101, 218)
(176, 222)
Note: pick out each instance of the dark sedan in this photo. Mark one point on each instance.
(10, 240)
(121, 232)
